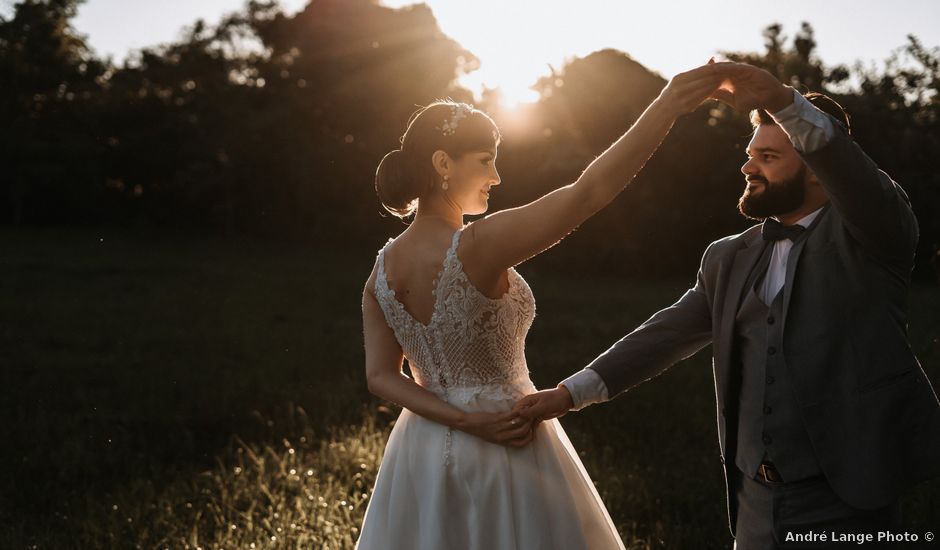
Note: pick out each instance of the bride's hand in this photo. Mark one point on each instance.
(506, 428)
(545, 404)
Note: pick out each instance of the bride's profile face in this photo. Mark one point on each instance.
(473, 176)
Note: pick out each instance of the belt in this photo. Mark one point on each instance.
(768, 473)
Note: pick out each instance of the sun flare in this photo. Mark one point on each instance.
(513, 90)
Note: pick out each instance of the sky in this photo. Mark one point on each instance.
(517, 40)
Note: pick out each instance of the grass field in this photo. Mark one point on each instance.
(199, 393)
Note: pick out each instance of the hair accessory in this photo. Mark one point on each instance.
(457, 112)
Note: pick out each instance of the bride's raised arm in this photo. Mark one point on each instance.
(511, 236)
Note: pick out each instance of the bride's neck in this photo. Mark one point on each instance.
(445, 214)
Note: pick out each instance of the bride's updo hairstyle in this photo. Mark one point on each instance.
(407, 173)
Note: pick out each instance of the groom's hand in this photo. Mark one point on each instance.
(747, 87)
(686, 91)
(545, 404)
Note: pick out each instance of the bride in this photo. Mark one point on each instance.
(461, 470)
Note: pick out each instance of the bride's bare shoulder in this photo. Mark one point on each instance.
(476, 246)
(469, 239)
(369, 287)
(373, 275)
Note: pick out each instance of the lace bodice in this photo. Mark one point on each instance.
(473, 345)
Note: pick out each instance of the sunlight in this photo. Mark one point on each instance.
(519, 42)
(513, 89)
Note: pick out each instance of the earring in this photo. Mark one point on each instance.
(445, 185)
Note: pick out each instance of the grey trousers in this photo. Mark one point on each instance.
(805, 514)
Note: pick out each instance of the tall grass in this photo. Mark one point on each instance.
(177, 393)
(300, 492)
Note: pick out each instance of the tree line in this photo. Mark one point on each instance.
(271, 125)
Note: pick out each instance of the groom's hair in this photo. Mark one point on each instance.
(821, 101)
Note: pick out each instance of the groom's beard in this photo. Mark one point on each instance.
(779, 197)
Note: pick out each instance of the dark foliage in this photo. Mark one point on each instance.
(272, 125)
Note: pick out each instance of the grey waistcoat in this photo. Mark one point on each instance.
(770, 423)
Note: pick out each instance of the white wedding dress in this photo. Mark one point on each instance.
(443, 489)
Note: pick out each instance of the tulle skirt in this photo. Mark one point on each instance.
(443, 489)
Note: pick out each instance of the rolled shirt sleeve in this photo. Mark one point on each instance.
(808, 128)
(586, 388)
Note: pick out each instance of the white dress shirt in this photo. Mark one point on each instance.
(809, 129)
(777, 270)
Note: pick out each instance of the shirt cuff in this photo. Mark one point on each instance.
(808, 128)
(586, 388)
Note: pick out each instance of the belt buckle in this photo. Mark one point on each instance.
(762, 471)
(771, 478)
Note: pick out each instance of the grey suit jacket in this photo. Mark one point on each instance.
(870, 411)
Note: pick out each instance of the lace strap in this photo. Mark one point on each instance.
(454, 241)
(381, 283)
(450, 259)
(385, 295)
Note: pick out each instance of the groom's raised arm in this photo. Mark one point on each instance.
(669, 336)
(875, 210)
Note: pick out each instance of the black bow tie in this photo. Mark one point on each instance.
(772, 230)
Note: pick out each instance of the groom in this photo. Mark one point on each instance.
(824, 414)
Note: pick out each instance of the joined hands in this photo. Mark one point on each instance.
(741, 86)
(545, 404)
(747, 87)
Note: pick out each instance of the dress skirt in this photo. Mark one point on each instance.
(439, 489)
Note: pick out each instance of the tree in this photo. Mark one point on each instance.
(48, 79)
